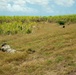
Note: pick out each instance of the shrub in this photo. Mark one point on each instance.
(20, 27)
(8, 32)
(28, 31)
(61, 22)
(15, 32)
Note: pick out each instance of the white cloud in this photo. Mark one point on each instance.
(39, 2)
(18, 8)
(15, 6)
(19, 2)
(21, 5)
(67, 3)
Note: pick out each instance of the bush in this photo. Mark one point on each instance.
(61, 22)
(28, 31)
(8, 32)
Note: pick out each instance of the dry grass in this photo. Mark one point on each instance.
(55, 51)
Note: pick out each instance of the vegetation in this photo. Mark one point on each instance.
(47, 50)
(24, 24)
(61, 23)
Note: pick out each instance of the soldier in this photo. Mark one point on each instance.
(7, 48)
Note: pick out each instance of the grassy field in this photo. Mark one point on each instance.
(54, 51)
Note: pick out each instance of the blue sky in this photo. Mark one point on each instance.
(37, 7)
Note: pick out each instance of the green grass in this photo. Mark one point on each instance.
(54, 46)
(25, 24)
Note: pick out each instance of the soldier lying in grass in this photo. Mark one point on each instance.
(6, 48)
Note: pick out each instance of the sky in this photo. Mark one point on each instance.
(37, 7)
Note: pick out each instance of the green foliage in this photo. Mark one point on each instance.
(8, 32)
(61, 22)
(23, 24)
(28, 31)
(1, 31)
